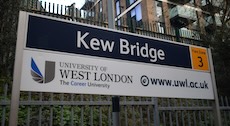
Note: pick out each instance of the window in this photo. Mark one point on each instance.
(160, 27)
(100, 11)
(159, 11)
(136, 12)
(135, 16)
(118, 11)
(131, 2)
(100, 6)
(192, 3)
(160, 17)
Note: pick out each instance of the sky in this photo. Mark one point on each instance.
(78, 3)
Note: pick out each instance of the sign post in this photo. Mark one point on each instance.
(115, 99)
(216, 106)
(15, 95)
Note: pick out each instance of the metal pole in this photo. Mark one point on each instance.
(115, 99)
(156, 112)
(116, 110)
(216, 107)
(15, 95)
(111, 18)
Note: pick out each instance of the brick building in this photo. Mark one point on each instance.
(191, 16)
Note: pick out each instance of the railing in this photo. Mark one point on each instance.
(100, 19)
(43, 109)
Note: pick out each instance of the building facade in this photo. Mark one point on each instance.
(192, 16)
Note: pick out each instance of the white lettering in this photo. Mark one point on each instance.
(124, 49)
(152, 53)
(107, 45)
(80, 39)
(94, 44)
(143, 51)
(161, 54)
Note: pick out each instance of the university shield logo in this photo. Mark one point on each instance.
(48, 75)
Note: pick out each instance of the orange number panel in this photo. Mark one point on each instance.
(199, 58)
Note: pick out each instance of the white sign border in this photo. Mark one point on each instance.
(24, 17)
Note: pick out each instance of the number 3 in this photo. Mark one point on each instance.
(201, 62)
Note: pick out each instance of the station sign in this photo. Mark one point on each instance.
(70, 57)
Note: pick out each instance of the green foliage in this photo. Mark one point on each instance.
(218, 38)
(8, 24)
(22, 116)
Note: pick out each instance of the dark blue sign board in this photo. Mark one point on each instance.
(62, 36)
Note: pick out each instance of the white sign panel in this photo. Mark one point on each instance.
(87, 75)
(67, 57)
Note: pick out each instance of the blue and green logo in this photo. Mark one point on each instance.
(48, 75)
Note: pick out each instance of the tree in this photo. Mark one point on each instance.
(217, 37)
(8, 24)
